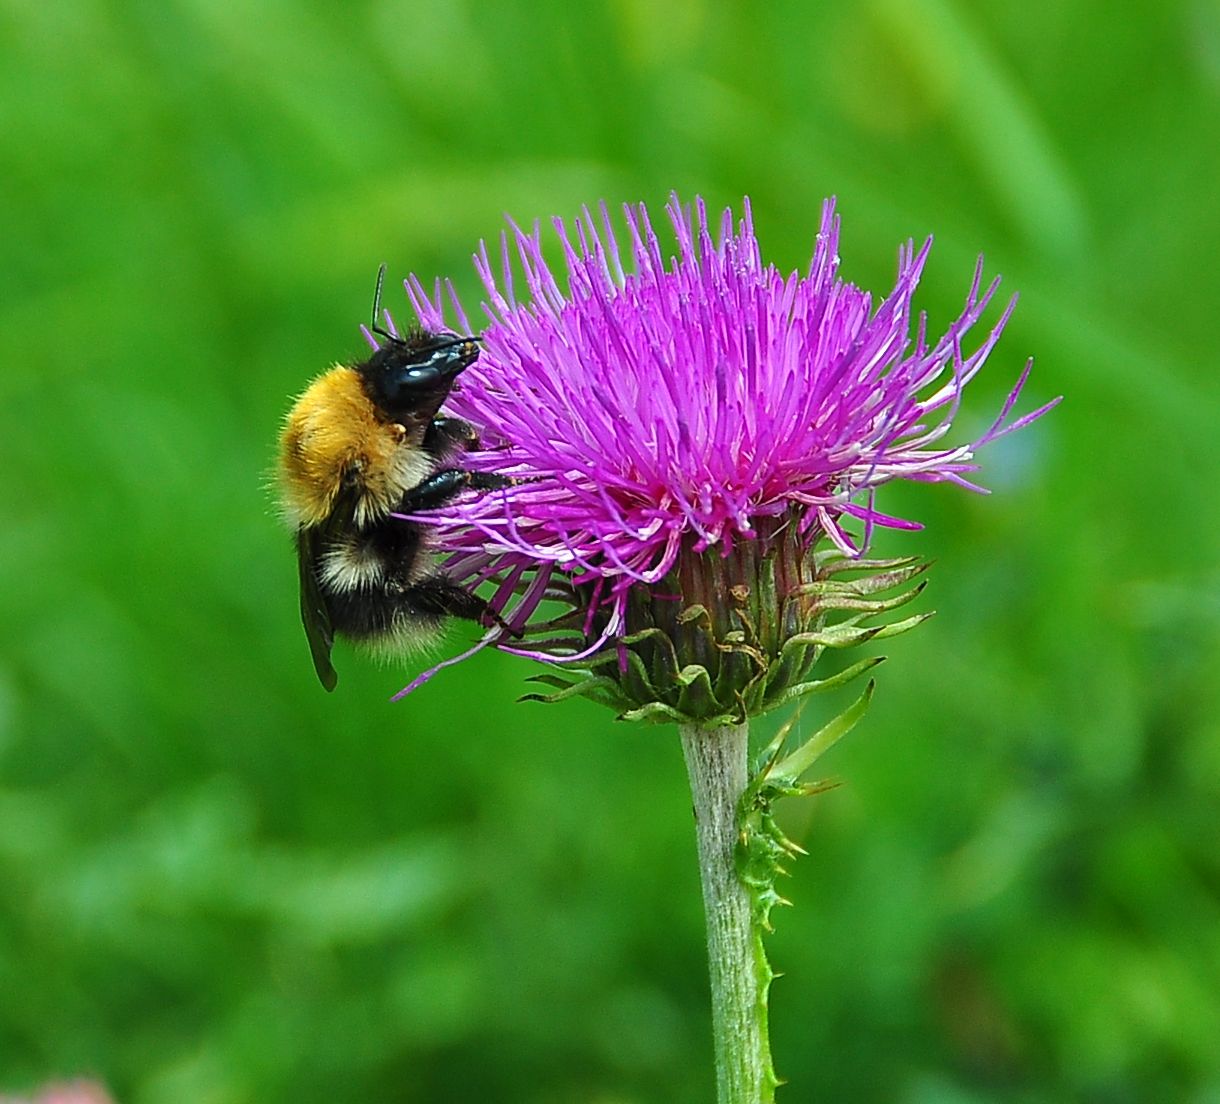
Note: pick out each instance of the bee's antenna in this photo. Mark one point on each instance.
(376, 326)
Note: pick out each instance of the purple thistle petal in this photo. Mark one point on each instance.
(452, 661)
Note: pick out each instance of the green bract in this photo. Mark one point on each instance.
(724, 638)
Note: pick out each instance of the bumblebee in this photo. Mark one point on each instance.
(366, 441)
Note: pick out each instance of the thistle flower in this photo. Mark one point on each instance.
(692, 442)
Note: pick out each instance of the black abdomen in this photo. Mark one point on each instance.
(379, 592)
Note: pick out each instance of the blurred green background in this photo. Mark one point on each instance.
(219, 885)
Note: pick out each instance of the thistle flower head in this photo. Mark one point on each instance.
(687, 437)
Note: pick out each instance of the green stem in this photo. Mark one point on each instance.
(716, 761)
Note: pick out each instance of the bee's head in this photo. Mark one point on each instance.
(409, 377)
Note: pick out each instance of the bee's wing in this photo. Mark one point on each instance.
(315, 615)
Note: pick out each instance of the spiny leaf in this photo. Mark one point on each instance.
(771, 753)
(789, 770)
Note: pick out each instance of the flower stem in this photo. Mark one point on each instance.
(716, 761)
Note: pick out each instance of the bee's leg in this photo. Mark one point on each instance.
(441, 486)
(417, 610)
(437, 595)
(446, 436)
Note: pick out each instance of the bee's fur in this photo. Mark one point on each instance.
(334, 432)
(363, 442)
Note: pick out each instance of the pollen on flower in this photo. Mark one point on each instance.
(688, 433)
